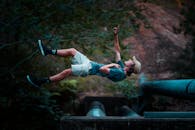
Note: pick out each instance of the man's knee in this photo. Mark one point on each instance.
(66, 72)
(73, 51)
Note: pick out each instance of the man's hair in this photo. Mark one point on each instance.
(137, 67)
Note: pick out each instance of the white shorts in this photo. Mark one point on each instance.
(80, 65)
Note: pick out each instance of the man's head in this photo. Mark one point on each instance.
(137, 68)
(133, 65)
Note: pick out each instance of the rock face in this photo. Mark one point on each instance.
(158, 44)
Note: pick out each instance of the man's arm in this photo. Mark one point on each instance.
(106, 68)
(116, 44)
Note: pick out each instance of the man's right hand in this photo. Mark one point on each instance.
(116, 30)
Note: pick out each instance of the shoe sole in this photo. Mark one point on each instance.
(41, 47)
(31, 82)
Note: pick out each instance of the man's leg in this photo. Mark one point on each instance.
(61, 75)
(66, 52)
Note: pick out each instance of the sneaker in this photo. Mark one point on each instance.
(33, 81)
(42, 48)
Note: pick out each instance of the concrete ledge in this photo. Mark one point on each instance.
(169, 114)
(120, 123)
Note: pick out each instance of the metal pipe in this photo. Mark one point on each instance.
(182, 88)
(128, 112)
(96, 110)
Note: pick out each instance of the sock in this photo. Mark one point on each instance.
(44, 80)
(52, 52)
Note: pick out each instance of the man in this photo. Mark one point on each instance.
(82, 66)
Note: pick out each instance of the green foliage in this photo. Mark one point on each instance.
(23, 107)
(68, 85)
(126, 88)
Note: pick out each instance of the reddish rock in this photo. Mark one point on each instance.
(159, 44)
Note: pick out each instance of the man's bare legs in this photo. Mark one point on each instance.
(37, 82)
(65, 73)
(66, 52)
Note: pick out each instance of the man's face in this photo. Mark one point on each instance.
(129, 63)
